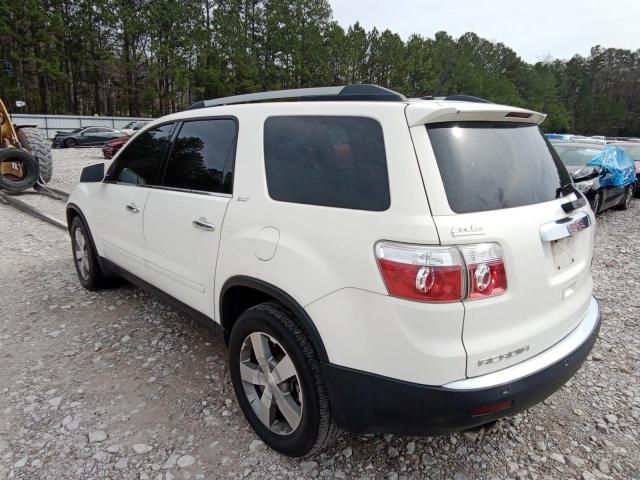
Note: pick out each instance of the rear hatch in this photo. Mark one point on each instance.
(494, 178)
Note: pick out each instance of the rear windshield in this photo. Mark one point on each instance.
(495, 165)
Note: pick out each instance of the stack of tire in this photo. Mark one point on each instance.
(35, 158)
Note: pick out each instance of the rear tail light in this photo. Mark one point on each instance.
(441, 274)
(416, 272)
(485, 269)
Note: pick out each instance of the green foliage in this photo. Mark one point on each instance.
(152, 57)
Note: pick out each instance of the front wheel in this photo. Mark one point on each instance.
(276, 377)
(70, 143)
(85, 258)
(596, 203)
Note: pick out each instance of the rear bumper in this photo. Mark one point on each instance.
(367, 403)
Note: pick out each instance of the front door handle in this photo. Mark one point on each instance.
(203, 224)
(132, 208)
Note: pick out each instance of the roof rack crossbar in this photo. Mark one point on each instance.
(348, 92)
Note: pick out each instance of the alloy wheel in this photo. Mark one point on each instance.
(271, 383)
(81, 253)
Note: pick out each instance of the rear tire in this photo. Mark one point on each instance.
(260, 390)
(85, 257)
(627, 198)
(36, 142)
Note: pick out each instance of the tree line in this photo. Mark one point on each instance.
(153, 57)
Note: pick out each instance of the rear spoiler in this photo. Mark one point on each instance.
(422, 112)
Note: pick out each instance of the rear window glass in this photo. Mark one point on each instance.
(327, 160)
(491, 166)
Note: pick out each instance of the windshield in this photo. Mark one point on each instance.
(495, 165)
(576, 155)
(130, 125)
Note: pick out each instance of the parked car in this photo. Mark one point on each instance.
(111, 147)
(633, 149)
(575, 156)
(132, 127)
(376, 264)
(563, 136)
(85, 136)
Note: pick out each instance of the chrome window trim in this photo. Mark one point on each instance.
(186, 190)
(174, 189)
(543, 360)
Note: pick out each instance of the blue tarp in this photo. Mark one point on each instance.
(618, 168)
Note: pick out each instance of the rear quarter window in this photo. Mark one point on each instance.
(327, 160)
(495, 165)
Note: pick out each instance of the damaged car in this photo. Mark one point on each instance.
(605, 174)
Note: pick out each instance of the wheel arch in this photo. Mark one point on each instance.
(241, 292)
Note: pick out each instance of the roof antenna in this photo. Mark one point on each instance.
(444, 76)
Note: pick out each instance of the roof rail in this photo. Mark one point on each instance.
(361, 92)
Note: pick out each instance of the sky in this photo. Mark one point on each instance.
(535, 29)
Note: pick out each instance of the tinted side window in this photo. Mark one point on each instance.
(139, 162)
(202, 156)
(327, 160)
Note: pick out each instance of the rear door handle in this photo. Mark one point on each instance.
(203, 224)
(565, 227)
(132, 208)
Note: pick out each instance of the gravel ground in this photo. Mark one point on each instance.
(117, 385)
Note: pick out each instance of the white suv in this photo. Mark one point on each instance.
(377, 264)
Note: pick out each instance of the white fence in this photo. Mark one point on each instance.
(65, 123)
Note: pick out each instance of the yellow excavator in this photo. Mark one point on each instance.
(25, 154)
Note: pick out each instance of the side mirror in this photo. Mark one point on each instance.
(92, 173)
(20, 103)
